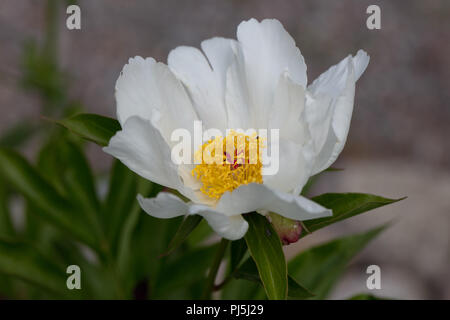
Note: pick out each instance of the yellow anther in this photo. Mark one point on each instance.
(227, 163)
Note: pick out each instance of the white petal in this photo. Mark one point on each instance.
(164, 206)
(268, 51)
(140, 146)
(149, 90)
(167, 205)
(229, 227)
(318, 115)
(220, 54)
(258, 197)
(205, 87)
(237, 98)
(360, 62)
(338, 83)
(288, 106)
(294, 169)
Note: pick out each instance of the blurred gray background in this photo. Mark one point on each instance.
(398, 142)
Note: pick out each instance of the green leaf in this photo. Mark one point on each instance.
(183, 271)
(240, 289)
(18, 134)
(199, 234)
(187, 226)
(23, 261)
(149, 237)
(248, 271)
(93, 127)
(63, 163)
(344, 206)
(54, 207)
(297, 291)
(120, 201)
(320, 267)
(265, 248)
(141, 237)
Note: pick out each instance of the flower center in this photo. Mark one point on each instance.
(227, 163)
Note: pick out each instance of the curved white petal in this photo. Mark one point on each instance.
(140, 146)
(166, 205)
(338, 84)
(229, 227)
(204, 85)
(268, 51)
(151, 91)
(258, 197)
(220, 53)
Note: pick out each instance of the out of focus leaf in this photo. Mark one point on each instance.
(25, 262)
(344, 206)
(6, 227)
(120, 201)
(200, 234)
(127, 248)
(18, 134)
(320, 267)
(183, 271)
(42, 74)
(238, 249)
(265, 248)
(64, 164)
(54, 207)
(187, 226)
(366, 296)
(240, 289)
(93, 127)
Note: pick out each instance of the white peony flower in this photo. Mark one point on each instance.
(258, 81)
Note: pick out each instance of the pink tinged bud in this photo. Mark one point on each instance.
(288, 230)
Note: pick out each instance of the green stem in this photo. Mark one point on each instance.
(207, 292)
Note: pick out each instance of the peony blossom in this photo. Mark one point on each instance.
(256, 81)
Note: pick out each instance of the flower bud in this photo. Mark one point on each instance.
(288, 230)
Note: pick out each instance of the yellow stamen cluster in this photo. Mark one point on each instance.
(227, 163)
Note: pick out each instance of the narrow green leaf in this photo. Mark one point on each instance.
(265, 248)
(54, 207)
(344, 206)
(22, 261)
(187, 226)
(93, 127)
(248, 271)
(320, 267)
